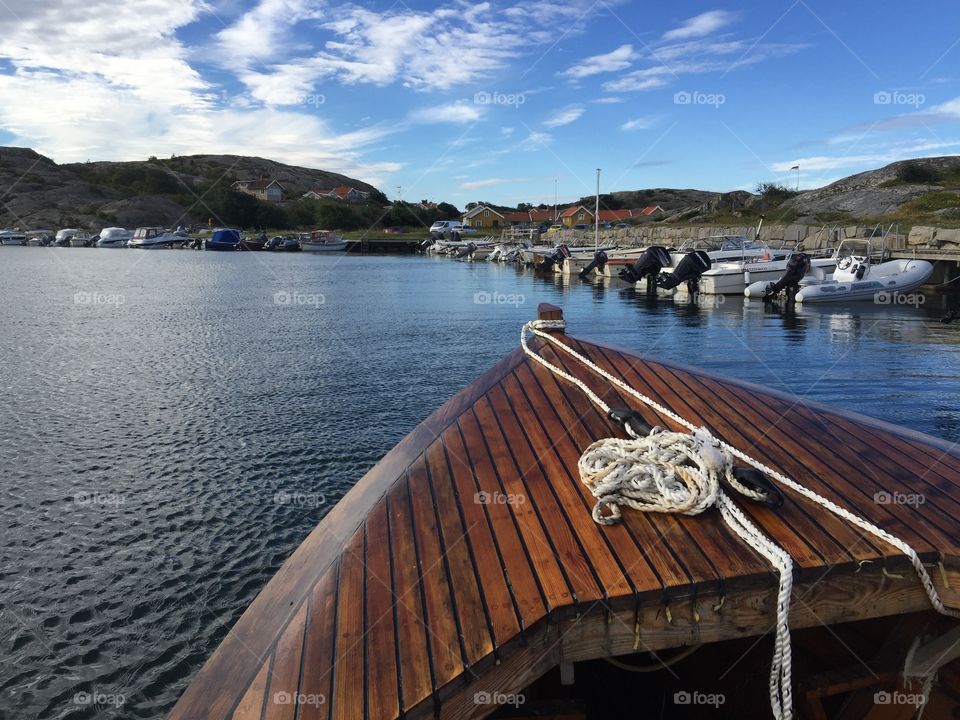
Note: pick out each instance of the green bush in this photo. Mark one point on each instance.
(917, 173)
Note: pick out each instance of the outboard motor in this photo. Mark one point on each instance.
(689, 270)
(648, 266)
(468, 249)
(557, 258)
(599, 261)
(797, 266)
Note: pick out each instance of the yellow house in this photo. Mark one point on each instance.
(578, 215)
(482, 217)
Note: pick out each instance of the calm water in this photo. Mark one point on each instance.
(174, 424)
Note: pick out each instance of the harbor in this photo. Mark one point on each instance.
(209, 498)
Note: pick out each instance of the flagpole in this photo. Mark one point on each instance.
(596, 217)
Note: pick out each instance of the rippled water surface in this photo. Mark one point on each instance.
(174, 424)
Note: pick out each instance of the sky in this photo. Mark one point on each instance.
(503, 102)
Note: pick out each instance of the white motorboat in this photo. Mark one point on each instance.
(12, 238)
(855, 278)
(68, 237)
(114, 237)
(155, 238)
(322, 241)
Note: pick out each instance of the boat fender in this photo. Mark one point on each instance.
(630, 421)
(758, 484)
(691, 267)
(599, 260)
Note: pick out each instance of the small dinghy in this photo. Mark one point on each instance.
(584, 529)
(857, 279)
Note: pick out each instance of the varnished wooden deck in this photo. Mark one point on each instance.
(467, 561)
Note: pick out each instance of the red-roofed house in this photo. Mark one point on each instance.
(616, 216)
(482, 217)
(650, 210)
(577, 215)
(262, 189)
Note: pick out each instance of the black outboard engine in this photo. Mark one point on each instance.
(599, 261)
(648, 266)
(467, 249)
(557, 258)
(797, 266)
(689, 270)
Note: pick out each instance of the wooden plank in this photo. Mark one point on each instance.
(809, 536)
(251, 704)
(836, 540)
(317, 679)
(582, 429)
(519, 421)
(708, 550)
(829, 471)
(458, 556)
(440, 617)
(537, 512)
(383, 680)
(416, 670)
(525, 592)
(232, 667)
(549, 575)
(349, 672)
(283, 697)
(488, 561)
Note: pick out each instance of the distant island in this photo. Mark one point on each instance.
(252, 192)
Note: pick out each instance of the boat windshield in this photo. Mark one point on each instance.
(719, 242)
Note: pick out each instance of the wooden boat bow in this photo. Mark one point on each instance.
(466, 561)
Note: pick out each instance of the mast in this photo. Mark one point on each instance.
(596, 217)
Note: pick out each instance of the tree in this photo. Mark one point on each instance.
(447, 211)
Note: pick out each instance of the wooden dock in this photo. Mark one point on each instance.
(467, 561)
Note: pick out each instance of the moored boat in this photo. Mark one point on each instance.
(482, 563)
(322, 241)
(856, 278)
(223, 239)
(72, 237)
(156, 238)
(114, 237)
(12, 238)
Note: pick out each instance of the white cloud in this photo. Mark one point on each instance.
(490, 182)
(612, 100)
(507, 131)
(640, 123)
(536, 141)
(879, 156)
(700, 25)
(564, 116)
(610, 62)
(458, 112)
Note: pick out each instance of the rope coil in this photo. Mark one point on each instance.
(680, 472)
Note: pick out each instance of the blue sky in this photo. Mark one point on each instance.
(491, 101)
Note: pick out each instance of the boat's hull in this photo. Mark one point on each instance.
(220, 247)
(112, 244)
(333, 247)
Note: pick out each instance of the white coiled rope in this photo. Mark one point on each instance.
(680, 473)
